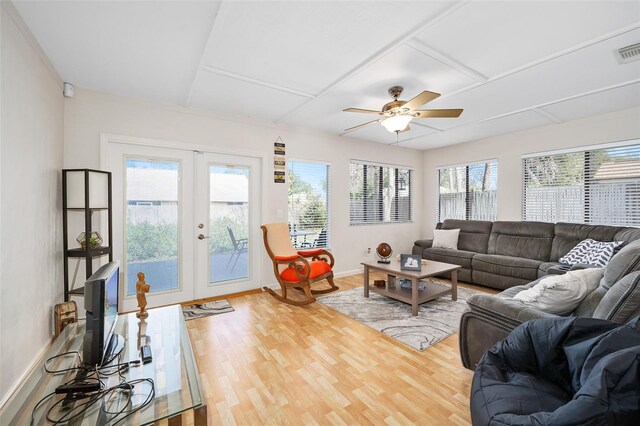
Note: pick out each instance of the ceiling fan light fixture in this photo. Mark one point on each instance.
(396, 123)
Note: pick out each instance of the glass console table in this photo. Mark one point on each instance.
(173, 371)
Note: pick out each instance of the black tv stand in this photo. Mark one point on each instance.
(116, 345)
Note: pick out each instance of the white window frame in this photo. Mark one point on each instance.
(329, 191)
(588, 181)
(467, 164)
(411, 183)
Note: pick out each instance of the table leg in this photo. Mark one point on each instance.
(454, 285)
(366, 281)
(175, 420)
(200, 415)
(414, 297)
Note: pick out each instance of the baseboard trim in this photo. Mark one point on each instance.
(18, 383)
(224, 296)
(348, 273)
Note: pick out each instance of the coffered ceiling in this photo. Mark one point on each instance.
(511, 65)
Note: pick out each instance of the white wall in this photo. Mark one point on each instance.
(90, 113)
(31, 222)
(509, 148)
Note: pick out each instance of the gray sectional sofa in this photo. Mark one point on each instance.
(490, 318)
(514, 256)
(506, 254)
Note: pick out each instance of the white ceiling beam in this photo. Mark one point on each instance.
(216, 19)
(540, 61)
(446, 60)
(547, 114)
(537, 108)
(423, 26)
(246, 79)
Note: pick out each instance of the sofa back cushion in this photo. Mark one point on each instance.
(568, 235)
(622, 301)
(531, 240)
(474, 234)
(626, 261)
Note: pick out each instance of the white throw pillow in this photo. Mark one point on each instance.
(591, 252)
(561, 294)
(446, 238)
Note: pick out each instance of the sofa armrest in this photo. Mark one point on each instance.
(489, 319)
(424, 243)
(558, 270)
(506, 311)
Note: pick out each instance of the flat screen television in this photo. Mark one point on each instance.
(101, 344)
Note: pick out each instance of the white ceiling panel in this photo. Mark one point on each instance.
(404, 66)
(146, 49)
(270, 59)
(582, 71)
(494, 37)
(220, 93)
(308, 45)
(597, 103)
(512, 123)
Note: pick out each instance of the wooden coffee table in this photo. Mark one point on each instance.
(412, 295)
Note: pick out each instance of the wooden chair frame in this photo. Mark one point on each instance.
(302, 268)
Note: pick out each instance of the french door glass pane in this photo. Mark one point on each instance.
(228, 223)
(152, 223)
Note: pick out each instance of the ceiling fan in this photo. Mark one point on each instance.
(397, 114)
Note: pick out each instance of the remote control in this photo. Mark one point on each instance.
(145, 354)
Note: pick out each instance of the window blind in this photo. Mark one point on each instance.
(600, 186)
(308, 204)
(380, 193)
(468, 192)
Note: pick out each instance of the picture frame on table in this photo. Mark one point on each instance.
(410, 262)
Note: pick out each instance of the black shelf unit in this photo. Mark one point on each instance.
(81, 180)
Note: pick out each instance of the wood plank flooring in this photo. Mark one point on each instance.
(271, 363)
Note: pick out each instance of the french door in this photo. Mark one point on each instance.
(188, 220)
(228, 224)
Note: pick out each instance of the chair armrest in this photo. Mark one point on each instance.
(507, 312)
(318, 254)
(424, 243)
(310, 253)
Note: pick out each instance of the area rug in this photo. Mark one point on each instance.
(205, 309)
(436, 319)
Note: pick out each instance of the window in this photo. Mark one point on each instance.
(309, 204)
(152, 227)
(468, 192)
(597, 186)
(380, 193)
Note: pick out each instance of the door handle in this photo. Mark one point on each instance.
(202, 237)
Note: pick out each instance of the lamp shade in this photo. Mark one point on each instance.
(98, 189)
(396, 123)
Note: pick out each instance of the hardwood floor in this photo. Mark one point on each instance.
(272, 363)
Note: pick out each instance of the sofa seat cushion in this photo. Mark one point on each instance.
(456, 257)
(517, 267)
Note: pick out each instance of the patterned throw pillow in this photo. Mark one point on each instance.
(591, 252)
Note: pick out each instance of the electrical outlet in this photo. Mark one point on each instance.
(368, 250)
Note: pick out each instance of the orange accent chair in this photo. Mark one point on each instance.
(299, 272)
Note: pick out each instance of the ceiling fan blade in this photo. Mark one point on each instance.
(360, 125)
(438, 113)
(364, 111)
(421, 99)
